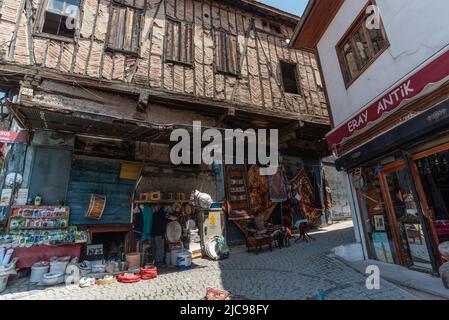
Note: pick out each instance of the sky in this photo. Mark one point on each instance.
(294, 6)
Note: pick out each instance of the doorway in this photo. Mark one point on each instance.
(403, 214)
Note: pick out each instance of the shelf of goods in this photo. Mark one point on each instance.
(39, 218)
(40, 232)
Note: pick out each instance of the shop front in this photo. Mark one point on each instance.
(400, 182)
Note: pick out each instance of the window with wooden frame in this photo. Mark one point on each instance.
(124, 26)
(361, 46)
(179, 42)
(58, 18)
(226, 53)
(289, 76)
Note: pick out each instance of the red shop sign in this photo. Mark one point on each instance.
(421, 83)
(13, 137)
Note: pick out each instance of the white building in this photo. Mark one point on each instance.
(385, 66)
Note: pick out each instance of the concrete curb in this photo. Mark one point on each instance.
(435, 286)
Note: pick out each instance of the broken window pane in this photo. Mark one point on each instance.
(56, 17)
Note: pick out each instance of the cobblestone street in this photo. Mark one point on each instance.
(292, 273)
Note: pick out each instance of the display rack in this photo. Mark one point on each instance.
(39, 218)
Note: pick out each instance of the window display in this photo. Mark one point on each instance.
(374, 215)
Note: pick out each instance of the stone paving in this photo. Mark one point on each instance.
(294, 273)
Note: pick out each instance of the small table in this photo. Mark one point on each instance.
(258, 241)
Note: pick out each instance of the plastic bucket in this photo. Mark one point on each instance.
(174, 256)
(184, 260)
(3, 281)
(37, 273)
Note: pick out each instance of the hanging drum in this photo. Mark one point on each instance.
(96, 207)
(174, 232)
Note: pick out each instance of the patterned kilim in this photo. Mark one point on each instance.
(301, 184)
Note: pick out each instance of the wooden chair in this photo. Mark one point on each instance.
(256, 239)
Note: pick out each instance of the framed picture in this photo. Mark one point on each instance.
(379, 223)
(94, 252)
(382, 247)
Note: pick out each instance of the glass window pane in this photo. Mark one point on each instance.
(350, 60)
(377, 39)
(56, 6)
(406, 212)
(362, 47)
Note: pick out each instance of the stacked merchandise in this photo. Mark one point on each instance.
(28, 238)
(194, 239)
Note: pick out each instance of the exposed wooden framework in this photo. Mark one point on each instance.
(86, 61)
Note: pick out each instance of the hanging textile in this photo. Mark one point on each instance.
(258, 187)
(279, 186)
(301, 185)
(147, 223)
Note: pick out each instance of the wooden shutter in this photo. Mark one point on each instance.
(179, 42)
(172, 42)
(226, 53)
(220, 46)
(124, 29)
(187, 44)
(232, 54)
(128, 30)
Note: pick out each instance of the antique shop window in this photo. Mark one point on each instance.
(179, 42)
(289, 76)
(374, 215)
(58, 17)
(433, 172)
(361, 46)
(226, 53)
(124, 27)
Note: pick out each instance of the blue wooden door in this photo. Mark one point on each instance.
(103, 178)
(50, 175)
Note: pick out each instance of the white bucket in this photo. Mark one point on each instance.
(184, 260)
(3, 281)
(174, 256)
(37, 273)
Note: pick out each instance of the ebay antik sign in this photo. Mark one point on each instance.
(421, 83)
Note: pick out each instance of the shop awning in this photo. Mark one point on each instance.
(90, 124)
(433, 121)
(421, 83)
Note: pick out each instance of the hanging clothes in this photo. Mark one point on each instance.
(138, 223)
(147, 223)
